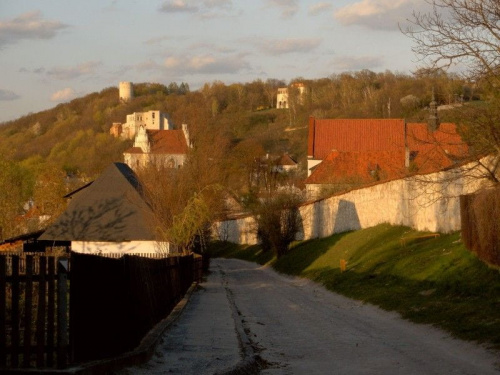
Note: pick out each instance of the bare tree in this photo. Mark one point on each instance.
(466, 33)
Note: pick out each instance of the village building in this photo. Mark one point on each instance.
(161, 148)
(108, 215)
(282, 99)
(347, 153)
(152, 120)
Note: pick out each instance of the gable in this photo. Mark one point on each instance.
(111, 209)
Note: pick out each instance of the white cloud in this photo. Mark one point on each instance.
(354, 63)
(63, 95)
(319, 8)
(379, 14)
(6, 95)
(204, 9)
(288, 7)
(178, 6)
(205, 64)
(292, 45)
(64, 73)
(28, 26)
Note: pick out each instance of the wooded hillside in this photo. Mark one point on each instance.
(235, 123)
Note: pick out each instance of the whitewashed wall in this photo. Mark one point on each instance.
(128, 247)
(426, 203)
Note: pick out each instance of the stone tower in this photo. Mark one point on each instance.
(126, 91)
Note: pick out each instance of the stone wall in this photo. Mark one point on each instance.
(426, 203)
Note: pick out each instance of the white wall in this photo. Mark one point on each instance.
(129, 247)
(426, 203)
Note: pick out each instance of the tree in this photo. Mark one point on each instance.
(467, 33)
(278, 221)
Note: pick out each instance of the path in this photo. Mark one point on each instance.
(294, 326)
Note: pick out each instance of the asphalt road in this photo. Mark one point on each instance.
(247, 319)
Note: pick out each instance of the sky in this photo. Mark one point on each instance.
(52, 51)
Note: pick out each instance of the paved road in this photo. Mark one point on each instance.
(248, 319)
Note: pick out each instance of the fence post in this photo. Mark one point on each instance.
(28, 305)
(14, 360)
(40, 329)
(62, 310)
(3, 294)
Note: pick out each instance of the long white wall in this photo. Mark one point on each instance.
(426, 203)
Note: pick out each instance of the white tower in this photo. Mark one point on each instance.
(126, 91)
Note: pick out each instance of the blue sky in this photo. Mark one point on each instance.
(52, 51)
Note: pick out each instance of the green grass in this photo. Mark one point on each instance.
(427, 280)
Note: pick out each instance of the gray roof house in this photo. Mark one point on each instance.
(110, 215)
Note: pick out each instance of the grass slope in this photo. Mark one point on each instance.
(427, 280)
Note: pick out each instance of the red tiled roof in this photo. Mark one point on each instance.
(167, 142)
(348, 135)
(361, 167)
(381, 142)
(435, 151)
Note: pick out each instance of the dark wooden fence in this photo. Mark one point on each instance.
(33, 311)
(113, 304)
(480, 215)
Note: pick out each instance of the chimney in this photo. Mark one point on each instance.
(433, 121)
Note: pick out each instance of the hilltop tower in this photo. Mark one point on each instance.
(126, 91)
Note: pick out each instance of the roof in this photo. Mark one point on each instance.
(346, 135)
(435, 151)
(164, 142)
(359, 167)
(167, 141)
(359, 142)
(111, 209)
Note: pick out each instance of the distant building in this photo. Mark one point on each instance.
(282, 99)
(152, 120)
(126, 91)
(162, 148)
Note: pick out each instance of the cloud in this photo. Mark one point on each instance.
(288, 7)
(292, 45)
(354, 63)
(6, 95)
(65, 73)
(205, 64)
(63, 95)
(178, 6)
(28, 26)
(157, 40)
(319, 8)
(204, 8)
(379, 14)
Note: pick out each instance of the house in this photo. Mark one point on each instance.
(282, 98)
(162, 148)
(152, 120)
(109, 215)
(344, 153)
